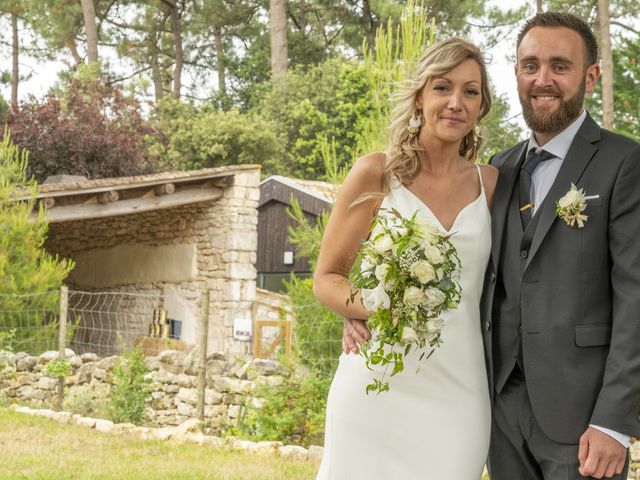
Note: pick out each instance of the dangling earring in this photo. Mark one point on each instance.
(415, 122)
(476, 137)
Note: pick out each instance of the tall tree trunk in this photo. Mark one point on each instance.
(70, 43)
(222, 87)
(607, 63)
(278, 28)
(89, 14)
(156, 75)
(538, 6)
(15, 71)
(177, 37)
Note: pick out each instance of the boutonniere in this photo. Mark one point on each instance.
(570, 207)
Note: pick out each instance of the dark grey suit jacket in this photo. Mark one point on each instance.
(580, 289)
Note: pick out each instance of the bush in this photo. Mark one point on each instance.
(59, 368)
(85, 401)
(91, 129)
(292, 413)
(129, 389)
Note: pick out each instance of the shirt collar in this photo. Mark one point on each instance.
(560, 144)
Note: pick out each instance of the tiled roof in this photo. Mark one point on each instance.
(140, 180)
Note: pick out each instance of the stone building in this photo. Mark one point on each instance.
(160, 241)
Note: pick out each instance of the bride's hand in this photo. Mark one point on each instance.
(354, 333)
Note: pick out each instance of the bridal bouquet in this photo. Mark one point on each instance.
(406, 273)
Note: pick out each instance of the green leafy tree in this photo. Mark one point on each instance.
(29, 275)
(202, 137)
(498, 130)
(332, 100)
(626, 58)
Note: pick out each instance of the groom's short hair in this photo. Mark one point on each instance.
(567, 20)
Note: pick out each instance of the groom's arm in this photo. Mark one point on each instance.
(602, 453)
(618, 404)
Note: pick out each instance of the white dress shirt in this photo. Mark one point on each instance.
(541, 181)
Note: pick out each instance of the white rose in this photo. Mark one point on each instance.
(383, 243)
(434, 326)
(381, 271)
(433, 253)
(427, 229)
(366, 266)
(374, 299)
(409, 335)
(423, 271)
(399, 231)
(433, 297)
(572, 197)
(381, 274)
(413, 296)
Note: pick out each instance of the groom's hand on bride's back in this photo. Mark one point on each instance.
(354, 333)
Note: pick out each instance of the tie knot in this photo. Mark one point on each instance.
(534, 158)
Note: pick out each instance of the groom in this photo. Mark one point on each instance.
(561, 306)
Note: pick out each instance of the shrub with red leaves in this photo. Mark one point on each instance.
(90, 129)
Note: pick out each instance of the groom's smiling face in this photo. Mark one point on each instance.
(553, 77)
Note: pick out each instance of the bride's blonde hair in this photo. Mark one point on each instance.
(403, 153)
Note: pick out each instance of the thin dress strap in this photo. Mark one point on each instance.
(480, 177)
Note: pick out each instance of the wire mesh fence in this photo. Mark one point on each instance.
(98, 322)
(29, 323)
(105, 322)
(317, 337)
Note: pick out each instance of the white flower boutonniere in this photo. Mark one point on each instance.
(570, 207)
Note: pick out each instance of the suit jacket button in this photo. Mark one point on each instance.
(524, 254)
(493, 277)
(487, 326)
(638, 418)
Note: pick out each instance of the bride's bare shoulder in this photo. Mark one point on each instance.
(366, 171)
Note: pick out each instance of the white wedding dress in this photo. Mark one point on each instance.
(431, 425)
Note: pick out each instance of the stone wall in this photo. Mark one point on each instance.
(174, 254)
(230, 383)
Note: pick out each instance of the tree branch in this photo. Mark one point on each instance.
(627, 27)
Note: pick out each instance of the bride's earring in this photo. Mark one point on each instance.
(476, 137)
(415, 122)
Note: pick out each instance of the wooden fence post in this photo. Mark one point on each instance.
(62, 334)
(202, 341)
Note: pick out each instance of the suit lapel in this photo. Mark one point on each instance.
(502, 198)
(578, 157)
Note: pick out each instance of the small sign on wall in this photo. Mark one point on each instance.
(242, 329)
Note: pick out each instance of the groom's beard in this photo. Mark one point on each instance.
(558, 120)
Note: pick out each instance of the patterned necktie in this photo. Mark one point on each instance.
(534, 158)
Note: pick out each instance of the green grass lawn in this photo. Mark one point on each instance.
(36, 449)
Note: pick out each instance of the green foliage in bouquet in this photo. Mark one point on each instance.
(406, 274)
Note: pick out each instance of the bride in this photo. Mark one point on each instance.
(433, 424)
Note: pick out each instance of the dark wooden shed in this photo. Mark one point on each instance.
(276, 256)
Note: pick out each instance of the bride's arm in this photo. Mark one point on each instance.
(347, 227)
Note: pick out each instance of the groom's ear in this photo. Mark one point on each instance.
(591, 77)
